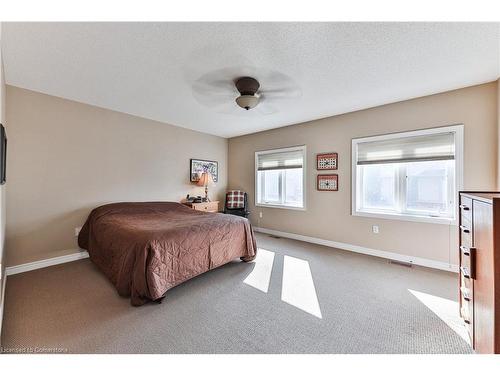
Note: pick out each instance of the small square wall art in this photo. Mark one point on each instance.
(328, 182)
(326, 161)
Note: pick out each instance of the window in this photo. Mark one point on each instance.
(279, 177)
(411, 176)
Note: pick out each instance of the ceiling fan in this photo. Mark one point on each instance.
(225, 94)
(247, 87)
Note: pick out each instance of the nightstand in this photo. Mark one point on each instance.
(212, 206)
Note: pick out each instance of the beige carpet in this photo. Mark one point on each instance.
(366, 304)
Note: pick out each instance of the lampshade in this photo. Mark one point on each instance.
(205, 179)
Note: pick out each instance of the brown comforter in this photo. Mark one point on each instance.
(147, 248)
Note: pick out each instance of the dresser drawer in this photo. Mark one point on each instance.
(466, 234)
(467, 312)
(466, 208)
(464, 259)
(206, 206)
(466, 295)
(467, 317)
(466, 299)
(466, 222)
(465, 282)
(468, 260)
(465, 272)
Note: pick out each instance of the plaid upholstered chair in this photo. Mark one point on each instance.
(236, 203)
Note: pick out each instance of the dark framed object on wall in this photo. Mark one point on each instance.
(327, 182)
(3, 155)
(327, 161)
(198, 166)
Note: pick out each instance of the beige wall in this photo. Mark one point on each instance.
(65, 158)
(328, 213)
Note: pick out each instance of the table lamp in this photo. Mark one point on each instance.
(205, 180)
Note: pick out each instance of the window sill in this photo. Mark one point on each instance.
(403, 217)
(268, 205)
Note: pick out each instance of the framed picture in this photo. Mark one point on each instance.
(198, 166)
(3, 155)
(327, 182)
(327, 161)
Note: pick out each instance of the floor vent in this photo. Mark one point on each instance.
(399, 263)
(273, 236)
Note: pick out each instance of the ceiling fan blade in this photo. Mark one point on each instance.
(217, 87)
(265, 106)
(228, 107)
(272, 78)
(267, 110)
(213, 100)
(224, 84)
(285, 93)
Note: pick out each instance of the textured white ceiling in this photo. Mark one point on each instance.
(150, 69)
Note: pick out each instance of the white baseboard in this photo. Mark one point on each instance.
(364, 250)
(46, 262)
(339, 245)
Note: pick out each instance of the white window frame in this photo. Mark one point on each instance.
(459, 168)
(304, 177)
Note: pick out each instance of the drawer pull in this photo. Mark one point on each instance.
(464, 314)
(465, 250)
(465, 293)
(465, 272)
(464, 229)
(464, 207)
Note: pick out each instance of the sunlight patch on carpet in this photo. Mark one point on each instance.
(260, 276)
(298, 286)
(447, 310)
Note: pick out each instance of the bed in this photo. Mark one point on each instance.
(147, 248)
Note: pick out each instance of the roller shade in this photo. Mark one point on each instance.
(280, 160)
(407, 149)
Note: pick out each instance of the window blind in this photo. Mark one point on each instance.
(280, 160)
(428, 147)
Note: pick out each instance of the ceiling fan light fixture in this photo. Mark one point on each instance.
(247, 101)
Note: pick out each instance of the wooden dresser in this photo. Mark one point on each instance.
(212, 206)
(480, 268)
